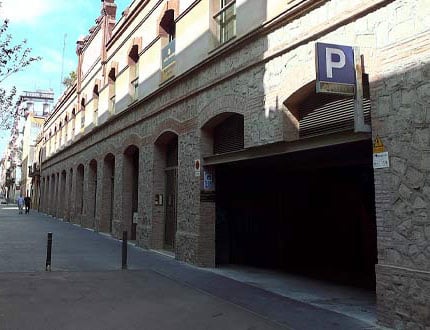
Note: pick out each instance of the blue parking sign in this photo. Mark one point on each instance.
(335, 66)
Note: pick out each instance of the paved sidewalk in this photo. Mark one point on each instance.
(87, 290)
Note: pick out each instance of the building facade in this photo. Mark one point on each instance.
(36, 107)
(195, 126)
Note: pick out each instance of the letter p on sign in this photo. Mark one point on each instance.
(331, 63)
(335, 63)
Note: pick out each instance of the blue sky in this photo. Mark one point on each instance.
(44, 23)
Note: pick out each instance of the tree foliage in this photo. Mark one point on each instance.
(14, 57)
(70, 80)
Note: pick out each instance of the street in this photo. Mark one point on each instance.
(87, 289)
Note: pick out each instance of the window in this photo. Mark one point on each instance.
(66, 126)
(95, 104)
(112, 91)
(73, 123)
(55, 139)
(226, 20)
(60, 133)
(82, 113)
(133, 62)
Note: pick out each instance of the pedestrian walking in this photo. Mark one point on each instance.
(20, 202)
(27, 202)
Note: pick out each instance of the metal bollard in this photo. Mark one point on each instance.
(48, 253)
(124, 250)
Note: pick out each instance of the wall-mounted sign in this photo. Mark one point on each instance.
(168, 61)
(335, 69)
(378, 146)
(209, 179)
(197, 167)
(381, 160)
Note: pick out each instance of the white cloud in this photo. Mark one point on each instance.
(52, 62)
(25, 11)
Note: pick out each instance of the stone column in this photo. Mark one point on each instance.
(158, 188)
(188, 205)
(146, 195)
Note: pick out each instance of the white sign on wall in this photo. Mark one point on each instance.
(381, 160)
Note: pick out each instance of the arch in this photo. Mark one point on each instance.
(165, 137)
(79, 192)
(219, 105)
(108, 187)
(165, 169)
(223, 133)
(168, 125)
(297, 97)
(130, 189)
(92, 193)
(132, 139)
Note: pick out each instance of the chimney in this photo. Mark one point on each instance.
(109, 8)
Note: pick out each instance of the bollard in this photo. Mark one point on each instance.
(48, 253)
(124, 250)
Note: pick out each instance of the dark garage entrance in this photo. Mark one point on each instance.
(309, 212)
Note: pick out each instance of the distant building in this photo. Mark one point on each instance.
(36, 107)
(198, 128)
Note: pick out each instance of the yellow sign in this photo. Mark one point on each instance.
(378, 146)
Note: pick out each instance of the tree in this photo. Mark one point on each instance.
(13, 58)
(70, 80)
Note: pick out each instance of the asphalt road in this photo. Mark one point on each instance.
(87, 289)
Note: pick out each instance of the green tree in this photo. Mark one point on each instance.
(14, 57)
(70, 80)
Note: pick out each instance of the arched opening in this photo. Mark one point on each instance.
(223, 133)
(79, 192)
(133, 63)
(108, 186)
(130, 189)
(92, 193)
(165, 185)
(320, 114)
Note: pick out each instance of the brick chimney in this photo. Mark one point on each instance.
(109, 8)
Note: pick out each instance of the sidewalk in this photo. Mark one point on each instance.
(87, 290)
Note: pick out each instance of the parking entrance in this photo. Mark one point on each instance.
(308, 212)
